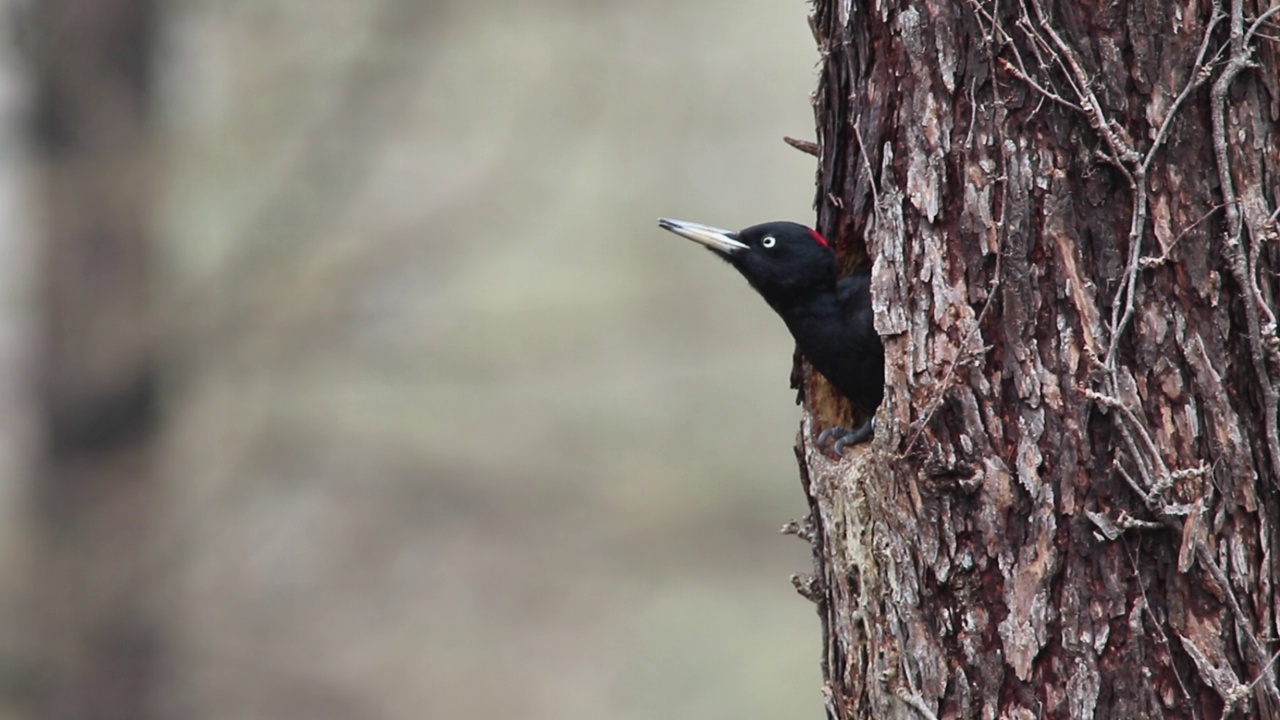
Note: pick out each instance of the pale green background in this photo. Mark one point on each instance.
(459, 432)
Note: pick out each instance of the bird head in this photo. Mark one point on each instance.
(784, 261)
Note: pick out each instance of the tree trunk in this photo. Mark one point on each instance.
(1070, 506)
(96, 651)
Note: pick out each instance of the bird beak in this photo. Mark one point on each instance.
(720, 240)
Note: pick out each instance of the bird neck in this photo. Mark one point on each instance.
(806, 302)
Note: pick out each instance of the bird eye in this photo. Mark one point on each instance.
(768, 241)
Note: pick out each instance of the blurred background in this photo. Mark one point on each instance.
(344, 372)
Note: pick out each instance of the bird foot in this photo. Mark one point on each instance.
(845, 437)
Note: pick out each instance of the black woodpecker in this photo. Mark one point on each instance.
(794, 270)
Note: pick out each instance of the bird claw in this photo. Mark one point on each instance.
(845, 437)
(831, 432)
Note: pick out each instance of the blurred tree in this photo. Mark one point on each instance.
(1070, 508)
(97, 370)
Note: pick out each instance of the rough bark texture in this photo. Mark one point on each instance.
(1070, 506)
(94, 650)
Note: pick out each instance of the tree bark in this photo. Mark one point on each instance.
(1070, 505)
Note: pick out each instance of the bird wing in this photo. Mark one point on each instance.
(862, 379)
(854, 294)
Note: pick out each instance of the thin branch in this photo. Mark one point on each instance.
(1122, 156)
(1237, 259)
(1092, 108)
(1264, 671)
(804, 146)
(915, 702)
(866, 162)
(1159, 625)
(973, 113)
(1204, 557)
(1008, 66)
(1161, 469)
(1243, 624)
(1134, 484)
(1150, 262)
(1194, 80)
(1218, 116)
(945, 383)
(1129, 288)
(1126, 294)
(1040, 46)
(1257, 24)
